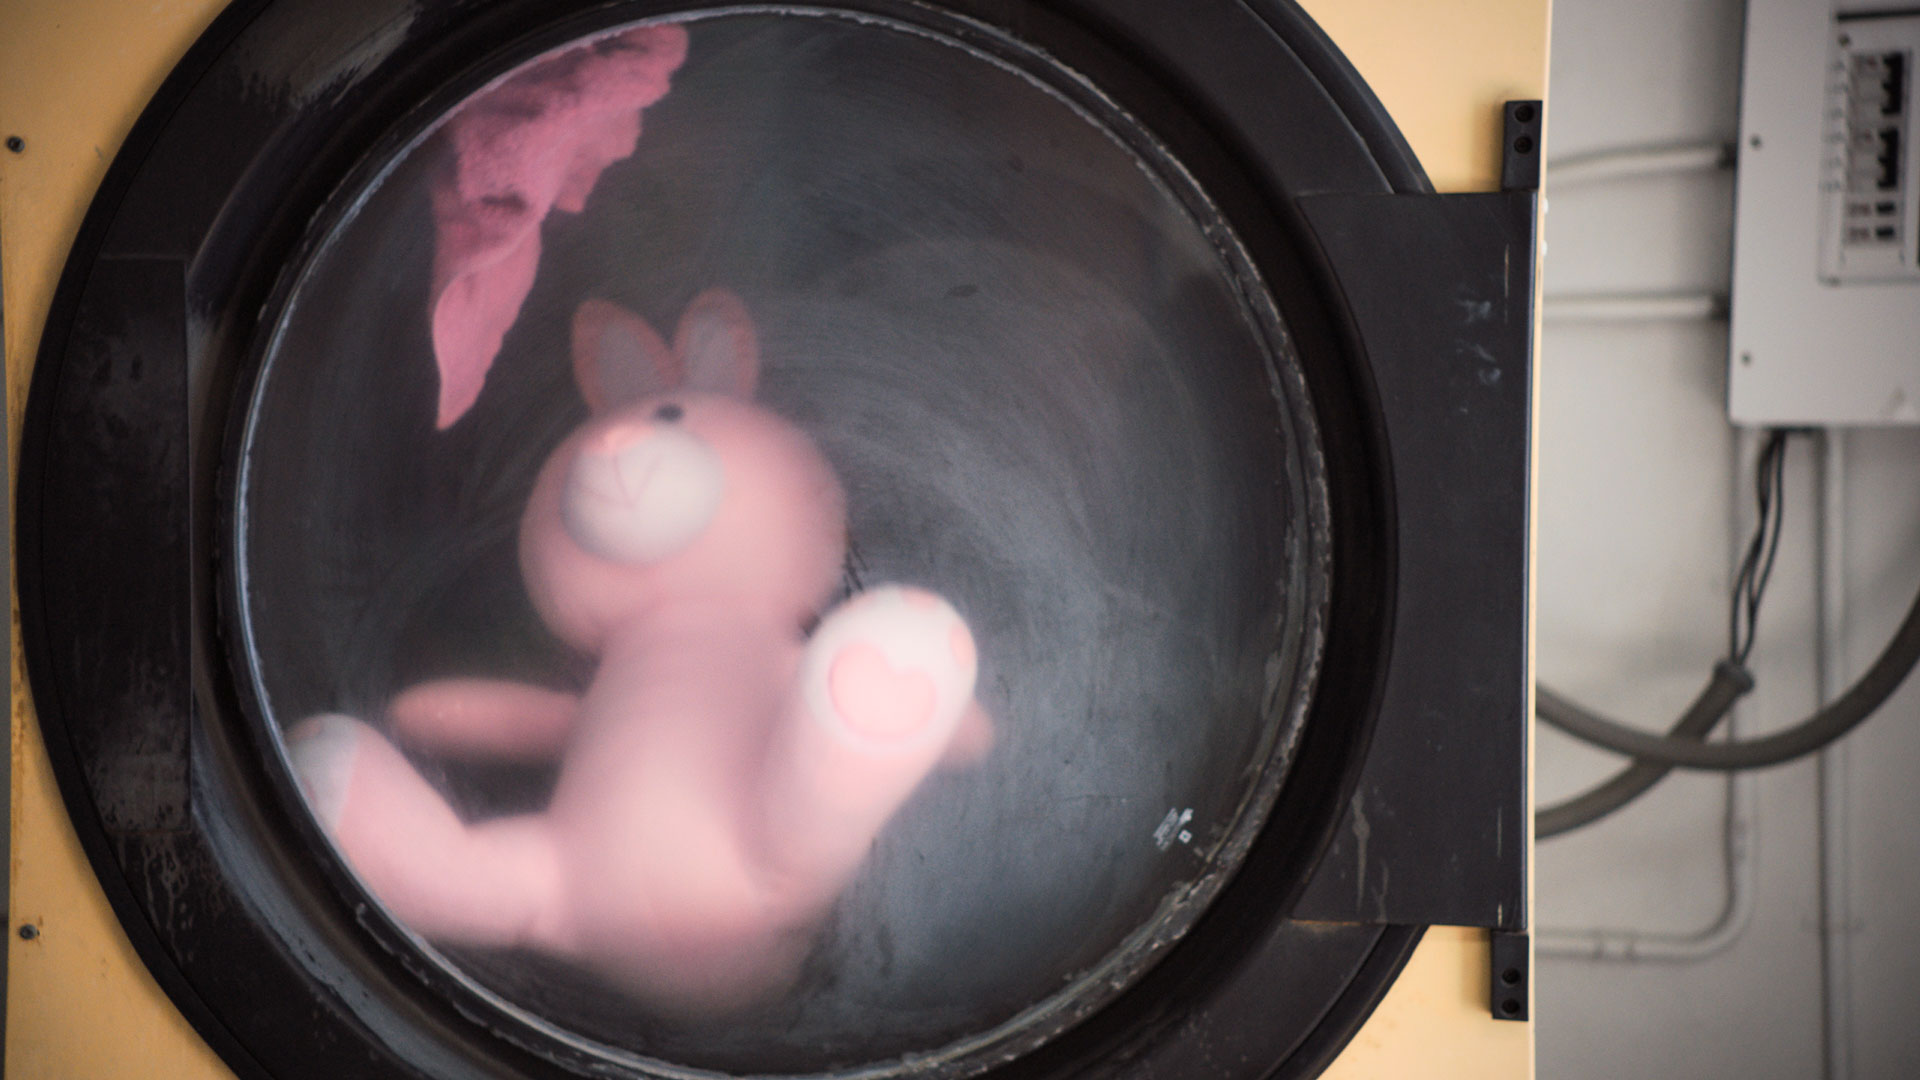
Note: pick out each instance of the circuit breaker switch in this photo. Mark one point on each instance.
(1869, 161)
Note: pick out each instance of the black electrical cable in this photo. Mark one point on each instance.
(1814, 733)
(1684, 745)
(1756, 567)
(1728, 684)
(1730, 679)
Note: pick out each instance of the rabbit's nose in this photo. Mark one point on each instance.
(617, 437)
(639, 493)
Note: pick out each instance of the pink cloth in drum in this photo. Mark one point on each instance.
(535, 142)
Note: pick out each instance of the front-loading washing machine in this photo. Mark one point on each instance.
(1128, 339)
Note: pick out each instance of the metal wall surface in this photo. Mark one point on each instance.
(1645, 489)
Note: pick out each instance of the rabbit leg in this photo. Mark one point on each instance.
(884, 685)
(497, 883)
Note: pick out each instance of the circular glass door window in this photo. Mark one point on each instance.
(782, 542)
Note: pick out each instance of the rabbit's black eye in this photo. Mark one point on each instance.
(668, 413)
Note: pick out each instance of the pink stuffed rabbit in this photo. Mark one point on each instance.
(724, 774)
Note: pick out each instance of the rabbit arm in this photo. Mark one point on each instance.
(500, 883)
(485, 718)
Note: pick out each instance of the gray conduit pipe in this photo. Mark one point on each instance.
(1836, 902)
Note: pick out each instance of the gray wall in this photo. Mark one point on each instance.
(1643, 486)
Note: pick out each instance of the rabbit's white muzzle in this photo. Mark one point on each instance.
(639, 493)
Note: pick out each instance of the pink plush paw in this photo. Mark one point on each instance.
(891, 668)
(323, 750)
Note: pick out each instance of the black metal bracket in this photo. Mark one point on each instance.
(1439, 292)
(1521, 146)
(1511, 973)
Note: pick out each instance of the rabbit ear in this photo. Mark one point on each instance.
(716, 345)
(618, 358)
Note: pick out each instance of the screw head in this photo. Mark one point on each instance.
(16, 144)
(28, 931)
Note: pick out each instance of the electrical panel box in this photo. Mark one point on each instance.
(1826, 279)
(1868, 188)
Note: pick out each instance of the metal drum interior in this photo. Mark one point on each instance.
(1054, 391)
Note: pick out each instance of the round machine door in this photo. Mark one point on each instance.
(659, 539)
